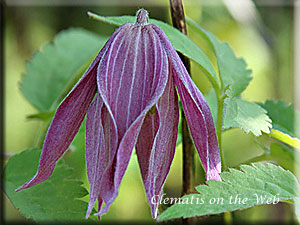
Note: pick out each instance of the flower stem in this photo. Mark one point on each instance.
(178, 20)
(220, 100)
(227, 218)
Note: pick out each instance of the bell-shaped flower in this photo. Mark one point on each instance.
(129, 96)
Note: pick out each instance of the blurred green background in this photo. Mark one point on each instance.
(262, 34)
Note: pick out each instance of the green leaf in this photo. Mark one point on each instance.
(212, 102)
(253, 185)
(283, 122)
(283, 116)
(52, 70)
(281, 154)
(235, 77)
(179, 41)
(44, 116)
(245, 115)
(285, 138)
(239, 113)
(56, 199)
(232, 70)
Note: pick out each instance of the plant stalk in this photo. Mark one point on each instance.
(178, 20)
(219, 128)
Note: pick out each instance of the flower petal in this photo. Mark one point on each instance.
(197, 112)
(101, 138)
(131, 78)
(156, 144)
(67, 120)
(130, 73)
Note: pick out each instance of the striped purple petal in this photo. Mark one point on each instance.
(67, 120)
(101, 138)
(131, 78)
(197, 112)
(156, 144)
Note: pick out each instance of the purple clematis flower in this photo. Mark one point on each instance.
(129, 96)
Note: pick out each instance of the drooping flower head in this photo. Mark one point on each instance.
(129, 96)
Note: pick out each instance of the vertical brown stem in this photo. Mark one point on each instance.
(178, 20)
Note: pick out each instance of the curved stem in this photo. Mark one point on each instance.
(220, 100)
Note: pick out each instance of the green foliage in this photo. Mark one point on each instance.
(179, 41)
(56, 199)
(281, 154)
(233, 71)
(270, 182)
(283, 116)
(283, 121)
(44, 116)
(285, 138)
(52, 70)
(245, 115)
(234, 77)
(242, 114)
(212, 102)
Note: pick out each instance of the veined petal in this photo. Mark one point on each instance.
(130, 73)
(67, 120)
(101, 139)
(156, 143)
(113, 176)
(197, 112)
(131, 78)
(64, 127)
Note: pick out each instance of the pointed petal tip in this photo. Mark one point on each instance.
(90, 207)
(33, 181)
(19, 188)
(100, 213)
(89, 210)
(213, 175)
(104, 210)
(154, 211)
(24, 186)
(97, 214)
